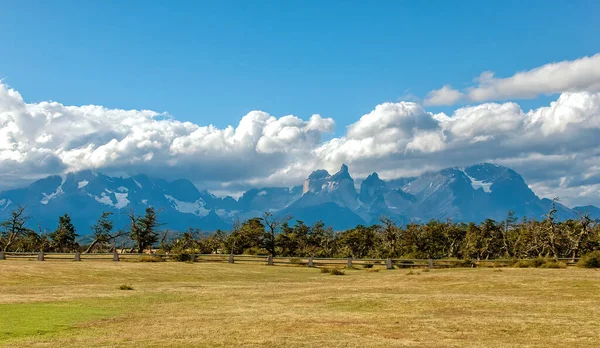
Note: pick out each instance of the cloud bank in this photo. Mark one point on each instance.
(567, 76)
(555, 147)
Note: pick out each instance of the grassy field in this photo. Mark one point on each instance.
(66, 304)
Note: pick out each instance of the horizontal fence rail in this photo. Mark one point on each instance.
(265, 259)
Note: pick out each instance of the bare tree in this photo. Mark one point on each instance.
(273, 224)
(13, 227)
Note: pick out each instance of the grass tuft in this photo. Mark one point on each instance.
(125, 287)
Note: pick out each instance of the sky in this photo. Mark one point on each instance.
(233, 94)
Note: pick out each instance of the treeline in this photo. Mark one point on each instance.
(512, 238)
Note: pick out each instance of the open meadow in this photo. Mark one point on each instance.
(75, 304)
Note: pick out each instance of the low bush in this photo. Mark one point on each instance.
(372, 270)
(553, 264)
(336, 271)
(411, 272)
(591, 260)
(125, 287)
(183, 257)
(151, 258)
(368, 265)
(539, 262)
(325, 270)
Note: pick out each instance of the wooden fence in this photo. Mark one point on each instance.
(266, 260)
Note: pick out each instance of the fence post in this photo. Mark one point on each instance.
(349, 261)
(310, 261)
(388, 264)
(78, 256)
(230, 258)
(192, 257)
(41, 256)
(115, 256)
(430, 264)
(270, 260)
(2, 256)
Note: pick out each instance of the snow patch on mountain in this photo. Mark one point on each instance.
(197, 208)
(4, 203)
(137, 183)
(122, 189)
(59, 191)
(82, 184)
(477, 184)
(106, 199)
(122, 200)
(262, 193)
(226, 214)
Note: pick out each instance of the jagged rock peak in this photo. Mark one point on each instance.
(373, 178)
(342, 174)
(318, 174)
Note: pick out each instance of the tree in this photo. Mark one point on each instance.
(509, 223)
(102, 231)
(13, 228)
(246, 237)
(63, 238)
(390, 234)
(360, 241)
(273, 224)
(579, 232)
(552, 231)
(142, 230)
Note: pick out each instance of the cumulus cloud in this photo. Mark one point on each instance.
(443, 96)
(577, 75)
(544, 145)
(555, 147)
(50, 138)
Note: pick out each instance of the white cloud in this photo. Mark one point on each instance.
(555, 147)
(577, 75)
(443, 96)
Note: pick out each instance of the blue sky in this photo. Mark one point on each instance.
(402, 88)
(211, 62)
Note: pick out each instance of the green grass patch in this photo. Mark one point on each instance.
(22, 320)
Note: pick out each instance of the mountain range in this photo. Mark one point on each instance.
(462, 194)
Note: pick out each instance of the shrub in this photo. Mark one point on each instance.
(522, 264)
(372, 270)
(553, 264)
(336, 271)
(125, 287)
(368, 265)
(182, 257)
(325, 270)
(591, 260)
(537, 262)
(151, 258)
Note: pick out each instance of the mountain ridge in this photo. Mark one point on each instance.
(470, 193)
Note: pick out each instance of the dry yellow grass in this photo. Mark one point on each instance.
(70, 304)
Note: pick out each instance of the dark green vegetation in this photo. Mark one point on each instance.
(508, 239)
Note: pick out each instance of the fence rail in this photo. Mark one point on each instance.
(268, 260)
